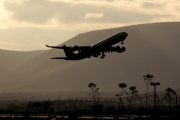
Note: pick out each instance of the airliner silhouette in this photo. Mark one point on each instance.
(95, 50)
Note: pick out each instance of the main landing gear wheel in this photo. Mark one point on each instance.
(102, 56)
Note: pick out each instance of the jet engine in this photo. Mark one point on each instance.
(120, 50)
(117, 48)
(74, 48)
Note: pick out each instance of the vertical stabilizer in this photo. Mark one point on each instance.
(68, 52)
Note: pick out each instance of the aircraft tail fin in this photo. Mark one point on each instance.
(68, 52)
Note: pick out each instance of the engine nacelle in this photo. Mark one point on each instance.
(74, 48)
(121, 49)
(117, 48)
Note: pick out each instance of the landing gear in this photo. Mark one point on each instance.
(103, 55)
(97, 55)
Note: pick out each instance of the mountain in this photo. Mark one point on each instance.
(150, 49)
(10, 60)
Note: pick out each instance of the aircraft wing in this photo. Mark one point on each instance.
(73, 48)
(99, 49)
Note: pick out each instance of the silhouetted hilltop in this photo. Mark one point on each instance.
(150, 48)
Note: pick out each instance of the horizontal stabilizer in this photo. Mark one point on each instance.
(58, 47)
(59, 58)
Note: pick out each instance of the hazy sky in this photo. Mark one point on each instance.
(27, 25)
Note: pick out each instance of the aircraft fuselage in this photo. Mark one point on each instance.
(99, 48)
(119, 37)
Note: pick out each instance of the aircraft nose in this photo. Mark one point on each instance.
(125, 34)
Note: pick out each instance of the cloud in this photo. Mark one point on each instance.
(54, 13)
(8, 45)
(15, 1)
(152, 4)
(35, 11)
(93, 15)
(21, 20)
(26, 39)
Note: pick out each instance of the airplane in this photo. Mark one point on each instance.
(95, 50)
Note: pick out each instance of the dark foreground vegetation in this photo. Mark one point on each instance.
(128, 104)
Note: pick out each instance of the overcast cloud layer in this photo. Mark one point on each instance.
(30, 24)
